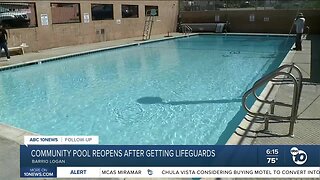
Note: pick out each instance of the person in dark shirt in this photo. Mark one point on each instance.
(3, 41)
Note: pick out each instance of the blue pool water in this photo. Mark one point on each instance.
(182, 91)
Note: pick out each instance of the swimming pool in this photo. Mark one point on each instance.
(181, 91)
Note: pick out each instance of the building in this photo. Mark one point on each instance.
(43, 24)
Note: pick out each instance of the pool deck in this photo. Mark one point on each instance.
(306, 129)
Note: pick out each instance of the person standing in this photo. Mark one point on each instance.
(3, 41)
(299, 22)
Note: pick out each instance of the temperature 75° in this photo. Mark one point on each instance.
(272, 160)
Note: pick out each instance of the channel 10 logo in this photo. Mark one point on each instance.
(298, 156)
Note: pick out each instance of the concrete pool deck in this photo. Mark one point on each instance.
(306, 128)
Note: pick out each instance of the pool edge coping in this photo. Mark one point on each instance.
(14, 134)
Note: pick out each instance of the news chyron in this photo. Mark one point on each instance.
(84, 157)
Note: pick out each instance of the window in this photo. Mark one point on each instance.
(101, 11)
(148, 10)
(130, 11)
(18, 15)
(65, 13)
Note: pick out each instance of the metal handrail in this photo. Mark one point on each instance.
(292, 67)
(148, 25)
(186, 29)
(295, 100)
(190, 29)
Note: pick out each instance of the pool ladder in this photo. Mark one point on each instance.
(285, 73)
(149, 20)
(186, 29)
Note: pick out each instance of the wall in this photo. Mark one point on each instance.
(57, 35)
(280, 21)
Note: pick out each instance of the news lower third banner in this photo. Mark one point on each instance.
(162, 161)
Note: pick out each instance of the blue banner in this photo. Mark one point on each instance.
(51, 156)
(38, 172)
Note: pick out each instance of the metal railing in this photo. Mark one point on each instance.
(286, 75)
(148, 24)
(186, 29)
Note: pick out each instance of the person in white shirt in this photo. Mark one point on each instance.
(299, 22)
